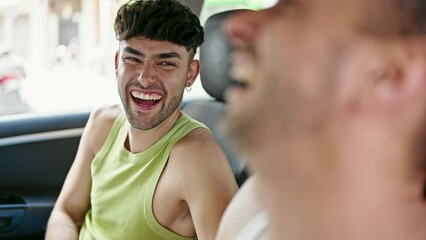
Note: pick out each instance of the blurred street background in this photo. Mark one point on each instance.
(58, 55)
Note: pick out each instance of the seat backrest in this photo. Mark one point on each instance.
(214, 57)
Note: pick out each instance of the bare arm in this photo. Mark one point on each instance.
(74, 200)
(208, 184)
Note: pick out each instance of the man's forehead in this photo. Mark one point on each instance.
(351, 16)
(146, 45)
(337, 8)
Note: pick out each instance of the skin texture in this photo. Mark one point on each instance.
(197, 183)
(243, 207)
(338, 153)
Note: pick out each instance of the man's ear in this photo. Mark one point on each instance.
(402, 80)
(116, 60)
(393, 76)
(193, 71)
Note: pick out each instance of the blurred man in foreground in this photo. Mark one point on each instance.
(331, 117)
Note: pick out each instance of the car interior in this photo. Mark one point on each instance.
(214, 57)
(37, 150)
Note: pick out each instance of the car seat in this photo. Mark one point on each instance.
(215, 61)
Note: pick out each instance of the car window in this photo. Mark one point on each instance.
(59, 55)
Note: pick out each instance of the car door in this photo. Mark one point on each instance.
(36, 152)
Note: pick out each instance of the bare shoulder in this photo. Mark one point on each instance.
(243, 207)
(99, 125)
(202, 177)
(195, 137)
(201, 159)
(106, 115)
(199, 149)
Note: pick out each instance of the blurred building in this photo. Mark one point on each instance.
(44, 29)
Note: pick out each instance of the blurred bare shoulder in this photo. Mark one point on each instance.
(243, 207)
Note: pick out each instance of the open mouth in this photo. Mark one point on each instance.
(145, 100)
(242, 70)
(239, 77)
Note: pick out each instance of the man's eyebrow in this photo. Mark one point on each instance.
(160, 56)
(169, 55)
(133, 51)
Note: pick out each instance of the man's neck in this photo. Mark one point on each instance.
(382, 183)
(359, 185)
(139, 140)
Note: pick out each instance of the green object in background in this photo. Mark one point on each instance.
(250, 4)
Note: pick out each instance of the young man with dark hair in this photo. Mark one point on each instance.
(145, 170)
(331, 118)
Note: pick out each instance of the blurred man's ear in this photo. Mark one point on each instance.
(402, 81)
(392, 77)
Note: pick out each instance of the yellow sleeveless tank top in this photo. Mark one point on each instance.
(123, 186)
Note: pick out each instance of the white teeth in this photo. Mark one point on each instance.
(240, 74)
(143, 96)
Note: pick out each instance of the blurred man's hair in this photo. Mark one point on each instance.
(397, 17)
(162, 20)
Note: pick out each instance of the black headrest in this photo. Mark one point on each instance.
(215, 56)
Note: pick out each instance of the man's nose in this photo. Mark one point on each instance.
(147, 74)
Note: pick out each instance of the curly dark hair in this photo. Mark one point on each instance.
(162, 20)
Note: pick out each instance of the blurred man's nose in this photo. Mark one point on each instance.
(242, 27)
